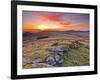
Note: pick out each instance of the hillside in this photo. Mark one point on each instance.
(55, 49)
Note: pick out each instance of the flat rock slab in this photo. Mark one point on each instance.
(56, 49)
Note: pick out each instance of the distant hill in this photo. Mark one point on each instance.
(77, 33)
(71, 34)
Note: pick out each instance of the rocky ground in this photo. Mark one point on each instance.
(55, 53)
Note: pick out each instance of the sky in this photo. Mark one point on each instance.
(39, 21)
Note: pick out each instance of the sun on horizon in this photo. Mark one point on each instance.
(41, 21)
(43, 27)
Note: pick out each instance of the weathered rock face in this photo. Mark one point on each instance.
(57, 58)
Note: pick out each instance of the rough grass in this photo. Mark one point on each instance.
(77, 57)
(35, 49)
(38, 49)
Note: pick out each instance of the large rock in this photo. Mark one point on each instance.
(54, 60)
(55, 49)
(51, 60)
(57, 58)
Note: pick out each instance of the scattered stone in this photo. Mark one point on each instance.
(55, 49)
(37, 61)
(26, 61)
(74, 44)
(41, 65)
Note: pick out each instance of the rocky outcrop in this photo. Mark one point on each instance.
(57, 58)
(52, 60)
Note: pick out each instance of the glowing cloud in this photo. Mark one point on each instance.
(34, 20)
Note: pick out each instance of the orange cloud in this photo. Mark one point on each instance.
(82, 26)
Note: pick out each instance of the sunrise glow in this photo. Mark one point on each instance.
(41, 21)
(43, 27)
